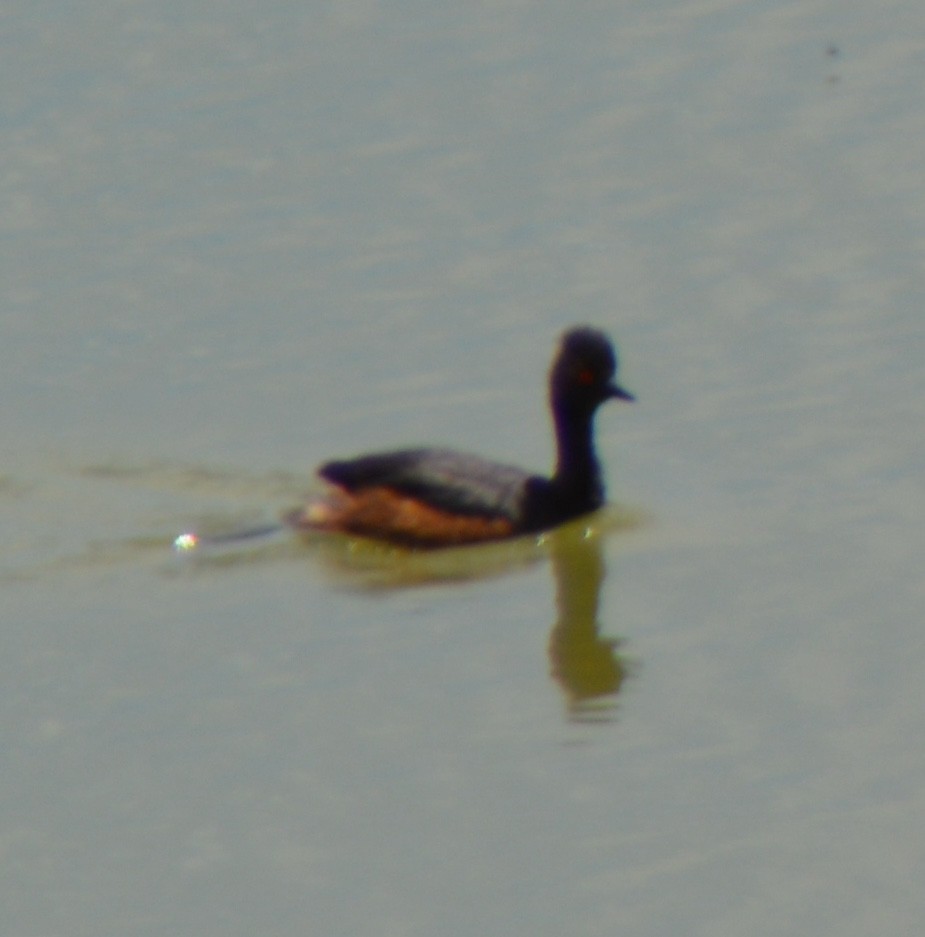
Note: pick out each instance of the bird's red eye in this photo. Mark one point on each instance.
(586, 377)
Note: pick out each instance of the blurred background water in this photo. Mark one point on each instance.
(238, 241)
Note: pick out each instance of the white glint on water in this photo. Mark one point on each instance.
(185, 543)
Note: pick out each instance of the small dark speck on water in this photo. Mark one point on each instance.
(833, 52)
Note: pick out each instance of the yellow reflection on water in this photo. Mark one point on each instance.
(587, 665)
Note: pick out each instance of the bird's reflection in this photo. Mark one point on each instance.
(586, 665)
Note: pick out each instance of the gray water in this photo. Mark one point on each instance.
(240, 240)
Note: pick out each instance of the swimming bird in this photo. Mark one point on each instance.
(432, 497)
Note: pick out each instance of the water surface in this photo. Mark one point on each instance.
(238, 242)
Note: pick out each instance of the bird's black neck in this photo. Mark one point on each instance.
(577, 470)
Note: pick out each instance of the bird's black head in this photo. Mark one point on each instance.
(583, 371)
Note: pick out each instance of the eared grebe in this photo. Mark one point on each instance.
(440, 497)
